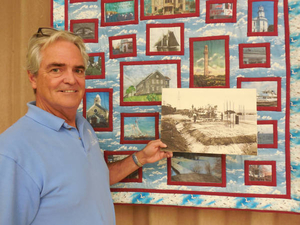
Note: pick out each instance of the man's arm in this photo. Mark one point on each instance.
(150, 154)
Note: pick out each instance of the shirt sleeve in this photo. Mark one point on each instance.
(19, 194)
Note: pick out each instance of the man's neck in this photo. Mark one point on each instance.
(69, 115)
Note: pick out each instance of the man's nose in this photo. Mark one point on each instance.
(69, 77)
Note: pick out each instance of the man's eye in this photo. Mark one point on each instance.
(55, 70)
(79, 71)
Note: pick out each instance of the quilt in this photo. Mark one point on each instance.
(139, 47)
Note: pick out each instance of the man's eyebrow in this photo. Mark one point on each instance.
(80, 67)
(55, 65)
(62, 65)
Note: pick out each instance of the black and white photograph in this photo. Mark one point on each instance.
(254, 55)
(217, 121)
(165, 39)
(87, 29)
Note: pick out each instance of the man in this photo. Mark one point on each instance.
(52, 169)
(195, 117)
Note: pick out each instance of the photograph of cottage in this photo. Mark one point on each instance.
(97, 108)
(196, 169)
(209, 62)
(156, 8)
(217, 121)
(145, 87)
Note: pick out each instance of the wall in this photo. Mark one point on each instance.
(18, 20)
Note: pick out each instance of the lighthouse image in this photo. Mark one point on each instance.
(209, 68)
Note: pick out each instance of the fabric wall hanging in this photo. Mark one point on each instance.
(138, 47)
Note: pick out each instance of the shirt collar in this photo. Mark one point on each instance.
(45, 118)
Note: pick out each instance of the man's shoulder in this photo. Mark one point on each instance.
(16, 134)
(15, 128)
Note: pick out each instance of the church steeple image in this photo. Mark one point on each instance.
(260, 23)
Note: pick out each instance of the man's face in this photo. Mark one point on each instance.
(60, 83)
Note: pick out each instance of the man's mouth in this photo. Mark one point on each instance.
(68, 91)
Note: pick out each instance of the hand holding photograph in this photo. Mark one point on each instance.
(217, 121)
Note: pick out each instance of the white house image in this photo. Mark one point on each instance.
(153, 83)
(97, 115)
(126, 46)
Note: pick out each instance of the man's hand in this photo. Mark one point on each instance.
(153, 153)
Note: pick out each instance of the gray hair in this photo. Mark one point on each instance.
(43, 38)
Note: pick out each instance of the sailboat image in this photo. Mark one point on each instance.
(136, 132)
(139, 130)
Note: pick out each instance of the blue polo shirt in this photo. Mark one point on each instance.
(53, 174)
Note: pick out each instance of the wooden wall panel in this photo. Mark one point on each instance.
(18, 20)
(159, 215)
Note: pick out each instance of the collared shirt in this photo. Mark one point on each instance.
(53, 173)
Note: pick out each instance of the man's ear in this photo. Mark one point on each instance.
(32, 79)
